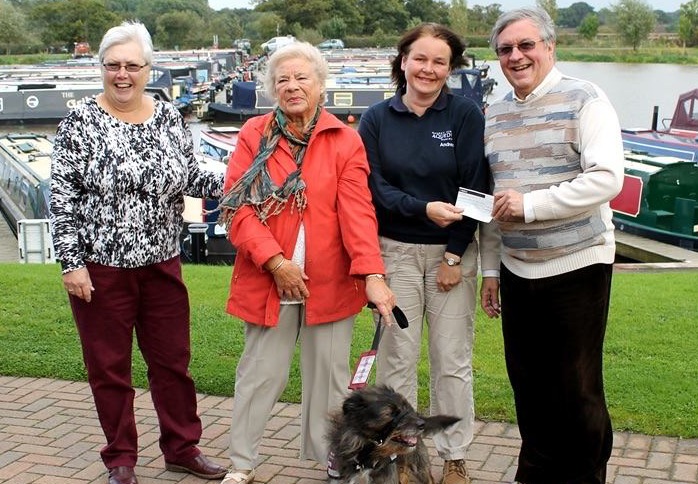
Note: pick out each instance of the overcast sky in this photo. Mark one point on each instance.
(665, 5)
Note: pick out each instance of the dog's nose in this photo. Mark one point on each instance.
(420, 424)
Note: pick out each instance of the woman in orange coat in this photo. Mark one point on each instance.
(299, 213)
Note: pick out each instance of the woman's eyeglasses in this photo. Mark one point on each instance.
(115, 67)
(525, 46)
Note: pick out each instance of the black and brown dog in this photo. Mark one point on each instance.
(377, 438)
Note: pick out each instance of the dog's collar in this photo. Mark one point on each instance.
(363, 459)
(361, 465)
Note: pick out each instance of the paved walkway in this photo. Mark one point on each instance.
(49, 434)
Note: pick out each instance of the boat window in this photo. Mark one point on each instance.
(214, 152)
(472, 78)
(23, 198)
(13, 185)
(4, 171)
(454, 81)
(343, 99)
(690, 109)
(25, 147)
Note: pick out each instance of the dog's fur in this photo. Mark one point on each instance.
(377, 436)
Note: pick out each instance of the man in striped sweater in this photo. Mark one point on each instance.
(555, 152)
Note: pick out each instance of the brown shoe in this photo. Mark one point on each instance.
(122, 475)
(199, 466)
(455, 472)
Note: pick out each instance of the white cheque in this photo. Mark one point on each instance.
(475, 204)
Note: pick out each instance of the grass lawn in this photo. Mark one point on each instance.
(651, 367)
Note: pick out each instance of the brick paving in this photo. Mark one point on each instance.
(49, 434)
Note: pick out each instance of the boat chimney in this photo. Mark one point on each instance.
(655, 115)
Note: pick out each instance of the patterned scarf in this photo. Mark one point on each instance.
(256, 188)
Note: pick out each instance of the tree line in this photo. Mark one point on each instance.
(31, 26)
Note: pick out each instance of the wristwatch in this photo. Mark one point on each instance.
(377, 276)
(451, 261)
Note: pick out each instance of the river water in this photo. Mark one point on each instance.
(634, 90)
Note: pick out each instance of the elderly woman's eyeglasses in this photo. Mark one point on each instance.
(524, 46)
(115, 67)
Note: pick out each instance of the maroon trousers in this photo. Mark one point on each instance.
(154, 301)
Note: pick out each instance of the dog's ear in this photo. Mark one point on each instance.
(438, 423)
(355, 403)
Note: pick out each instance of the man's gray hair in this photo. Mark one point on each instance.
(537, 15)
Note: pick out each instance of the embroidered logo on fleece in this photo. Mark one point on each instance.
(445, 137)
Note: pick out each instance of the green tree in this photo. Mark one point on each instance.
(589, 26)
(459, 16)
(688, 23)
(125, 8)
(148, 11)
(178, 30)
(349, 13)
(481, 19)
(573, 15)
(549, 6)
(269, 24)
(634, 21)
(305, 13)
(428, 11)
(227, 26)
(69, 21)
(334, 28)
(390, 16)
(13, 29)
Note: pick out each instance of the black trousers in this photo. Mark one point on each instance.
(553, 331)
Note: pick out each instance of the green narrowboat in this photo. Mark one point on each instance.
(659, 199)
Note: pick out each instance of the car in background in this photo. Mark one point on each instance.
(331, 44)
(275, 42)
(243, 44)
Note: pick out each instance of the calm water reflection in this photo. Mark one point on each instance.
(634, 89)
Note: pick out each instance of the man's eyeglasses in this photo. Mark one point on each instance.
(525, 46)
(115, 67)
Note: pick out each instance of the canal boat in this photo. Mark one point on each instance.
(25, 166)
(659, 199)
(218, 142)
(25, 170)
(203, 239)
(679, 139)
(348, 93)
(46, 93)
(33, 99)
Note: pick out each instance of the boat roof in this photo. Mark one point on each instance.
(685, 116)
(652, 160)
(641, 167)
(225, 137)
(31, 151)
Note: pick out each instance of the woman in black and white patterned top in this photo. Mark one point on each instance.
(121, 165)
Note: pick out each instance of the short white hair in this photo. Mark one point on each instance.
(295, 50)
(128, 31)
